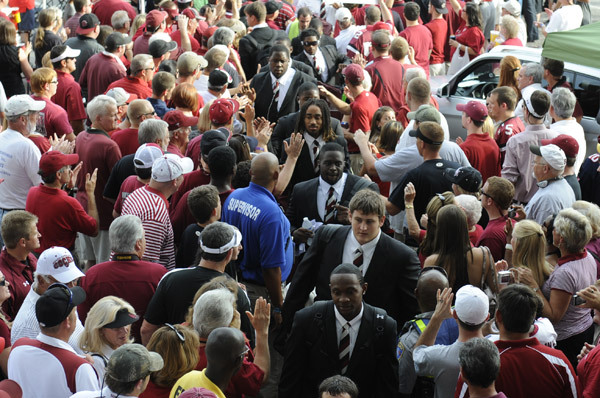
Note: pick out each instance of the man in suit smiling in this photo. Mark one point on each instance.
(325, 61)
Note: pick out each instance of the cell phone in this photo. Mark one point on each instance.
(504, 277)
(576, 300)
(345, 125)
(453, 37)
(512, 212)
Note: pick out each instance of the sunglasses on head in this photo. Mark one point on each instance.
(180, 335)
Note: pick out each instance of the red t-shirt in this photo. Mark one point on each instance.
(41, 142)
(420, 38)
(483, 154)
(588, 371)
(515, 41)
(104, 9)
(53, 119)
(60, 217)
(469, 36)
(155, 391)
(439, 36)
(474, 235)
(127, 140)
(133, 85)
(363, 108)
(68, 96)
(130, 184)
(494, 237)
(454, 21)
(386, 75)
(505, 130)
(176, 37)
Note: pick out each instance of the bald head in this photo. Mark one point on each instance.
(427, 287)
(139, 110)
(224, 348)
(264, 169)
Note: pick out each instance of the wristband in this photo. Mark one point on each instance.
(508, 246)
(408, 206)
(260, 148)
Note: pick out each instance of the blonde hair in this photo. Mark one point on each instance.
(102, 313)
(180, 357)
(47, 18)
(138, 21)
(592, 212)
(511, 26)
(488, 127)
(204, 118)
(530, 250)
(40, 78)
(574, 228)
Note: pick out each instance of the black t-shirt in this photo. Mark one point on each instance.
(122, 169)
(574, 183)
(188, 247)
(428, 180)
(176, 291)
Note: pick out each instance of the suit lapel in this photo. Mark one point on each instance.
(378, 262)
(313, 191)
(363, 340)
(350, 181)
(331, 339)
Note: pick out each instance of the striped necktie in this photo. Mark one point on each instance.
(315, 149)
(316, 65)
(323, 12)
(344, 348)
(272, 114)
(330, 206)
(358, 258)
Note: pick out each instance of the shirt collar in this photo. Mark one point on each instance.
(310, 56)
(503, 344)
(309, 139)
(367, 246)
(115, 57)
(54, 342)
(342, 321)
(572, 257)
(157, 192)
(338, 186)
(286, 78)
(261, 188)
(260, 25)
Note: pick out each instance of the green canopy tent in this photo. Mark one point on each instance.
(579, 46)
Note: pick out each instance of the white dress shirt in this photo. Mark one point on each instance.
(340, 322)
(323, 193)
(285, 81)
(309, 140)
(320, 62)
(367, 249)
(575, 130)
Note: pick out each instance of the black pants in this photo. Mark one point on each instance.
(571, 346)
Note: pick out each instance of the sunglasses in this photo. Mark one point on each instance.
(243, 354)
(180, 335)
(310, 43)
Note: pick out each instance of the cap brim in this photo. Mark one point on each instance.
(442, 10)
(412, 133)
(171, 45)
(71, 53)
(187, 165)
(449, 174)
(37, 106)
(411, 116)
(123, 318)
(72, 159)
(461, 107)
(78, 295)
(535, 149)
(545, 142)
(156, 361)
(69, 275)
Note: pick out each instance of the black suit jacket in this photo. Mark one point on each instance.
(303, 202)
(248, 52)
(392, 275)
(263, 85)
(311, 354)
(297, 47)
(332, 58)
(301, 66)
(305, 169)
(286, 126)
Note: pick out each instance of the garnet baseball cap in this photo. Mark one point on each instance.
(121, 96)
(197, 392)
(58, 262)
(158, 48)
(52, 161)
(132, 362)
(472, 305)
(10, 389)
(155, 17)
(467, 178)
(55, 305)
(20, 104)
(354, 74)
(382, 26)
(191, 13)
(146, 154)
(58, 53)
(565, 142)
(552, 154)
(87, 23)
(440, 6)
(222, 110)
(425, 113)
(210, 140)
(177, 119)
(122, 318)
(474, 109)
(170, 166)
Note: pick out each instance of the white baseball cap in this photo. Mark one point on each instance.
(20, 104)
(552, 154)
(58, 262)
(146, 154)
(170, 166)
(472, 306)
(342, 13)
(512, 7)
(121, 96)
(67, 53)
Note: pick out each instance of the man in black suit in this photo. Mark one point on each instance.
(301, 66)
(277, 89)
(314, 122)
(287, 124)
(253, 46)
(317, 25)
(325, 198)
(390, 267)
(325, 61)
(341, 336)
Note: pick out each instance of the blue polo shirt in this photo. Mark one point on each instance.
(265, 232)
(160, 107)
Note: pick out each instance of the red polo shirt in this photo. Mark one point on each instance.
(420, 38)
(104, 9)
(386, 75)
(363, 108)
(133, 85)
(483, 154)
(68, 96)
(127, 140)
(19, 275)
(99, 72)
(439, 35)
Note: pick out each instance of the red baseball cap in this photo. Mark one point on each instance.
(52, 161)
(474, 109)
(565, 142)
(354, 74)
(155, 18)
(191, 13)
(178, 119)
(222, 110)
(382, 25)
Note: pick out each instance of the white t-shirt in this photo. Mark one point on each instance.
(575, 130)
(565, 18)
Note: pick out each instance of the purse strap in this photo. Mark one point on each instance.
(486, 253)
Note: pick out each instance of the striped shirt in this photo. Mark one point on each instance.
(152, 208)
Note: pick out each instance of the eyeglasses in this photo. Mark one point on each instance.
(180, 335)
(54, 82)
(68, 291)
(243, 354)
(310, 43)
(434, 268)
(153, 113)
(481, 191)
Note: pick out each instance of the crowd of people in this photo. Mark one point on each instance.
(262, 199)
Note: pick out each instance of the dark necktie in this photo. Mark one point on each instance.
(272, 115)
(316, 65)
(315, 149)
(344, 348)
(323, 13)
(330, 206)
(358, 258)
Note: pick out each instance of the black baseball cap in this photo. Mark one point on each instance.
(218, 79)
(122, 318)
(158, 48)
(210, 140)
(467, 178)
(55, 305)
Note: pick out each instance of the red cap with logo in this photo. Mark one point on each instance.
(565, 142)
(474, 109)
(52, 161)
(222, 110)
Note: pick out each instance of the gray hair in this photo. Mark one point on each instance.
(36, 274)
(414, 72)
(151, 130)
(214, 309)
(119, 19)
(592, 212)
(124, 232)
(574, 228)
(534, 70)
(563, 101)
(471, 206)
(141, 62)
(99, 106)
(479, 361)
(223, 35)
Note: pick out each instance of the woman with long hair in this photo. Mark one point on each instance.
(50, 20)
(14, 60)
(107, 327)
(464, 264)
(469, 35)
(178, 346)
(529, 250)
(381, 116)
(509, 73)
